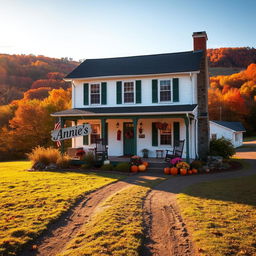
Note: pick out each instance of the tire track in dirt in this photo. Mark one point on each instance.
(166, 232)
(55, 238)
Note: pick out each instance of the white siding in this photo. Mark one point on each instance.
(187, 91)
(227, 133)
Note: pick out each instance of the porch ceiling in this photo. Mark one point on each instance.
(115, 111)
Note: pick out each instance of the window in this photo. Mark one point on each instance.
(237, 137)
(95, 133)
(214, 136)
(128, 92)
(166, 135)
(165, 90)
(95, 93)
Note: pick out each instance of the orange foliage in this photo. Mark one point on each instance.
(231, 98)
(231, 57)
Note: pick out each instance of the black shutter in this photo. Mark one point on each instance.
(154, 135)
(104, 93)
(176, 133)
(175, 88)
(119, 92)
(86, 94)
(154, 91)
(138, 91)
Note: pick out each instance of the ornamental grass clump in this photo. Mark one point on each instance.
(44, 155)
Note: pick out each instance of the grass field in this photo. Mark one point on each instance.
(29, 201)
(117, 230)
(222, 216)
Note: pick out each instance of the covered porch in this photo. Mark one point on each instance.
(127, 132)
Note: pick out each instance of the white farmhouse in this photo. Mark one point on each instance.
(232, 131)
(127, 99)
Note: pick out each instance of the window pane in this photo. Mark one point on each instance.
(165, 90)
(166, 139)
(165, 96)
(95, 133)
(128, 92)
(95, 93)
(166, 135)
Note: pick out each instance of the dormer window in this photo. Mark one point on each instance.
(95, 93)
(128, 92)
(165, 90)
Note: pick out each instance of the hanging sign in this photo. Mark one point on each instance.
(71, 132)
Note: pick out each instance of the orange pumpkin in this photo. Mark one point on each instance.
(142, 168)
(195, 171)
(145, 163)
(174, 171)
(134, 168)
(190, 172)
(183, 172)
(167, 170)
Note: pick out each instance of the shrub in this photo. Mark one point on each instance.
(89, 160)
(86, 166)
(44, 155)
(196, 164)
(122, 167)
(107, 167)
(63, 161)
(222, 147)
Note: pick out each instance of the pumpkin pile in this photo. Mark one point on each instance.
(181, 168)
(137, 165)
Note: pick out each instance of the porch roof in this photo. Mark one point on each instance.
(137, 110)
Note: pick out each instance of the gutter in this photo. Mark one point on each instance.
(134, 76)
(125, 114)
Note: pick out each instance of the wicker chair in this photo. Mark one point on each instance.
(176, 152)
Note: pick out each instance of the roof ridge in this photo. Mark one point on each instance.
(145, 55)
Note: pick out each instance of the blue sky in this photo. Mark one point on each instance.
(106, 28)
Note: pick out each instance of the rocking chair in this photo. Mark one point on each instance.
(101, 150)
(177, 151)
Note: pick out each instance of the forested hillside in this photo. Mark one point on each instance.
(240, 57)
(20, 73)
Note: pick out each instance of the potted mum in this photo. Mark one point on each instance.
(183, 167)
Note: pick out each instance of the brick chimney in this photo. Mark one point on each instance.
(200, 39)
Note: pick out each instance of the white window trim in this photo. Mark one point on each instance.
(159, 137)
(159, 89)
(94, 104)
(134, 92)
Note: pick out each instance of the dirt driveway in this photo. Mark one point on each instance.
(167, 233)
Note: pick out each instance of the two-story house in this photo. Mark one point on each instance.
(139, 102)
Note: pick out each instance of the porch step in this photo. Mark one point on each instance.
(157, 167)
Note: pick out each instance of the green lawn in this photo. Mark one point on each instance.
(118, 229)
(222, 216)
(29, 201)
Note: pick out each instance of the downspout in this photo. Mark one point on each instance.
(187, 137)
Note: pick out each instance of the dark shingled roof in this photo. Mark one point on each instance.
(126, 110)
(139, 65)
(235, 126)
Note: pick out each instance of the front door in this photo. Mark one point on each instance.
(128, 139)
